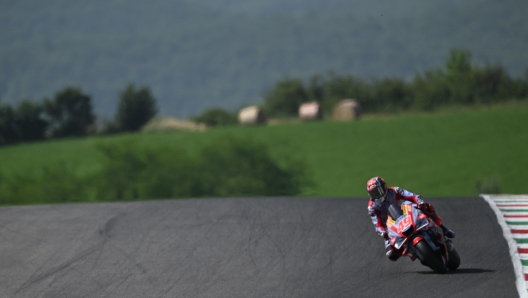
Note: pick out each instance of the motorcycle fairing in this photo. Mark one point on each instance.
(410, 222)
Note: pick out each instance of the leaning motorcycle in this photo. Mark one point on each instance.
(417, 236)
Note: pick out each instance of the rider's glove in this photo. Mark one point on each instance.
(429, 210)
(423, 206)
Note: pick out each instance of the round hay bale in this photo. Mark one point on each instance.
(310, 111)
(347, 110)
(252, 115)
(172, 124)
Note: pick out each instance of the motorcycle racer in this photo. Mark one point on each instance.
(382, 197)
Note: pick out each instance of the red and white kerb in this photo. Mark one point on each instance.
(512, 215)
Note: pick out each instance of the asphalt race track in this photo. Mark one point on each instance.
(265, 247)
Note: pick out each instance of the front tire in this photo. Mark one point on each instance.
(431, 258)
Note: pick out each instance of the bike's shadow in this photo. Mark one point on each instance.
(458, 271)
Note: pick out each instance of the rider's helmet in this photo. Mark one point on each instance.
(377, 189)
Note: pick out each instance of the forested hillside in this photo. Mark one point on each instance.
(199, 54)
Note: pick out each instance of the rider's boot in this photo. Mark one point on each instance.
(447, 232)
(412, 256)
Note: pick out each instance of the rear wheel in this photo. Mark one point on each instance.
(431, 259)
(454, 258)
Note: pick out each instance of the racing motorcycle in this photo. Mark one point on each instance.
(417, 236)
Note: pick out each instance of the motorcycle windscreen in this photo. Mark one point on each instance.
(420, 220)
(421, 224)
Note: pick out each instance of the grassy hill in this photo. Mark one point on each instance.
(199, 54)
(441, 154)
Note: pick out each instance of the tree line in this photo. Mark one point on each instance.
(70, 114)
(459, 83)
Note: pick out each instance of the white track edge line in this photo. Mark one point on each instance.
(516, 259)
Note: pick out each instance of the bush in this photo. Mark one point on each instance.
(430, 91)
(489, 185)
(216, 117)
(338, 88)
(48, 185)
(227, 166)
(129, 172)
(390, 95)
(285, 98)
(244, 167)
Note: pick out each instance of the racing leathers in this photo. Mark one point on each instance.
(379, 213)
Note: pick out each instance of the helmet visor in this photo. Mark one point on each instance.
(377, 193)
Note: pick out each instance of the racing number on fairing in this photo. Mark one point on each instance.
(404, 223)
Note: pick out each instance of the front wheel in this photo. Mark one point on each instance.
(431, 258)
(454, 258)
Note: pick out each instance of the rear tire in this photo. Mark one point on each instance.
(431, 258)
(454, 258)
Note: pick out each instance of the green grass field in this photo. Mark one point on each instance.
(439, 154)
